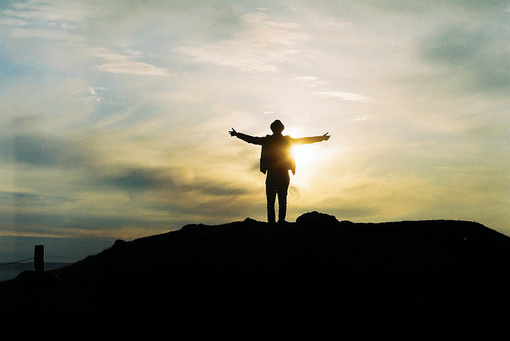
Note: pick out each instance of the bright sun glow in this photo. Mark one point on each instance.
(303, 155)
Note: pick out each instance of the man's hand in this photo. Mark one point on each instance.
(326, 137)
(233, 132)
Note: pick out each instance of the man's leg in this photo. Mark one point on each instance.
(271, 198)
(282, 205)
(283, 187)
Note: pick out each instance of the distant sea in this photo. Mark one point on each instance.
(10, 271)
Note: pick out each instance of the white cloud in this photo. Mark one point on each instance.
(311, 81)
(12, 22)
(44, 19)
(117, 63)
(259, 48)
(359, 118)
(47, 11)
(133, 68)
(478, 54)
(342, 95)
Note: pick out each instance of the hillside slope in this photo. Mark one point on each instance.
(315, 267)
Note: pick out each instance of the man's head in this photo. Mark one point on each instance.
(277, 127)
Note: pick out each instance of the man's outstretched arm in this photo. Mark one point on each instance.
(313, 139)
(246, 138)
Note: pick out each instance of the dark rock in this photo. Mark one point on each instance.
(119, 243)
(250, 221)
(316, 218)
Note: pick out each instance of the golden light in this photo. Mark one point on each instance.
(303, 154)
(309, 157)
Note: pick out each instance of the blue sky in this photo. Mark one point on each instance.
(114, 115)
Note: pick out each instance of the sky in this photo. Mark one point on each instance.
(114, 115)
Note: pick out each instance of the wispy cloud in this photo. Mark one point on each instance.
(47, 11)
(477, 54)
(260, 47)
(311, 81)
(44, 18)
(342, 95)
(42, 151)
(63, 22)
(25, 199)
(141, 179)
(359, 118)
(123, 64)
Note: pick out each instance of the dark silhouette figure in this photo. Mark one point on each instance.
(276, 160)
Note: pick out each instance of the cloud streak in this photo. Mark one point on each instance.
(138, 179)
(41, 151)
(121, 64)
(478, 53)
(259, 47)
(54, 20)
(342, 95)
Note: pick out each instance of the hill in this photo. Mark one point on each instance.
(317, 267)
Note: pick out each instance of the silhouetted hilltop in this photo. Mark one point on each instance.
(313, 268)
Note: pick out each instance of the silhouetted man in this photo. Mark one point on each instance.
(276, 159)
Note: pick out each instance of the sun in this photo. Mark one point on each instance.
(303, 155)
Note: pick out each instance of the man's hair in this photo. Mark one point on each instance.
(277, 127)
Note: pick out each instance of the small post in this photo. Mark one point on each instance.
(39, 258)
